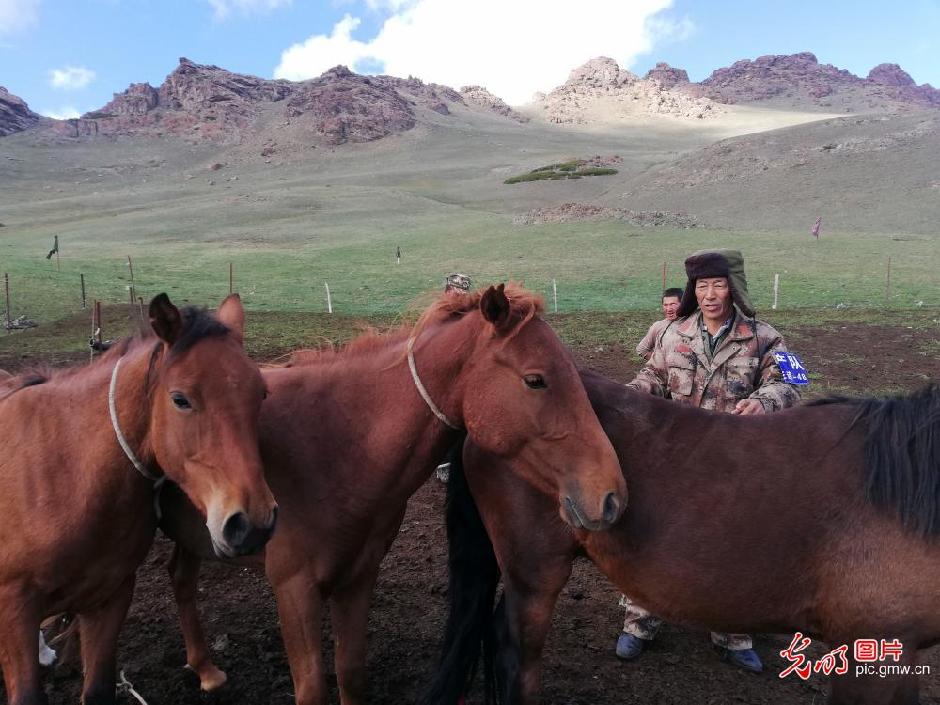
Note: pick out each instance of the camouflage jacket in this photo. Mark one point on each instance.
(645, 348)
(743, 366)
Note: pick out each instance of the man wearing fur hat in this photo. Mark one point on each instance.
(715, 356)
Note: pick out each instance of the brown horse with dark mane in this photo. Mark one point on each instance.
(822, 519)
(77, 510)
(348, 437)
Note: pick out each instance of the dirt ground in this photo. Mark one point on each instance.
(408, 609)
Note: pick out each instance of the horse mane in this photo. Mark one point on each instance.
(523, 306)
(902, 447)
(196, 324)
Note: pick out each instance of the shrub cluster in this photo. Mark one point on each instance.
(563, 170)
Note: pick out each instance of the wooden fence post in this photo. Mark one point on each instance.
(888, 283)
(6, 284)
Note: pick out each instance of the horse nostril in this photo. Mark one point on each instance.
(235, 529)
(611, 508)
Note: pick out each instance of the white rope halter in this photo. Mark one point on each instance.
(125, 446)
(424, 392)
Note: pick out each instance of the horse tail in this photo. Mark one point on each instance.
(903, 452)
(471, 590)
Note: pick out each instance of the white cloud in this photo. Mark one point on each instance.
(514, 47)
(64, 113)
(17, 15)
(71, 77)
(322, 52)
(223, 8)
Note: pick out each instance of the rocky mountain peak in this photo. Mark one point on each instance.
(800, 81)
(480, 97)
(890, 75)
(600, 91)
(600, 72)
(667, 75)
(206, 102)
(15, 115)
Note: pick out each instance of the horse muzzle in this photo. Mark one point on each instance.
(240, 537)
(578, 517)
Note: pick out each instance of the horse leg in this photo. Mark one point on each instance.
(19, 648)
(300, 607)
(99, 633)
(349, 611)
(184, 574)
(529, 599)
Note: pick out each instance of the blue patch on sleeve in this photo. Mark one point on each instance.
(792, 368)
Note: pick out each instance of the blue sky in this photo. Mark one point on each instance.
(514, 47)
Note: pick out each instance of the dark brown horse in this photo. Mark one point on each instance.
(77, 518)
(348, 437)
(822, 519)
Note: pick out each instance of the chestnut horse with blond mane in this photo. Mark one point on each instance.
(77, 511)
(822, 519)
(348, 437)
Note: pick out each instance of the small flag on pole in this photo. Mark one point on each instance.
(816, 227)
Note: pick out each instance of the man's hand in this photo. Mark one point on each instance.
(747, 407)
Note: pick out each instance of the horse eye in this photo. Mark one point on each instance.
(535, 382)
(180, 401)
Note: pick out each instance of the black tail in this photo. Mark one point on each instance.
(474, 576)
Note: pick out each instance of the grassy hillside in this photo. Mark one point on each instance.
(304, 217)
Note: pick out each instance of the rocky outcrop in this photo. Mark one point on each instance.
(587, 212)
(890, 75)
(482, 98)
(667, 75)
(601, 91)
(200, 102)
(799, 80)
(343, 106)
(15, 115)
(138, 99)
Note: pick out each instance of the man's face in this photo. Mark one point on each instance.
(714, 298)
(670, 307)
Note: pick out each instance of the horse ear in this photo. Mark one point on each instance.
(165, 319)
(494, 305)
(232, 314)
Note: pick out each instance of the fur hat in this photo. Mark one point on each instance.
(457, 281)
(716, 263)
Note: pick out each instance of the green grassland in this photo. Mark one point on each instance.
(597, 267)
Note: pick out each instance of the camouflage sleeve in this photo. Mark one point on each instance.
(772, 392)
(653, 377)
(645, 348)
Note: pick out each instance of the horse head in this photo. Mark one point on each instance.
(205, 402)
(522, 400)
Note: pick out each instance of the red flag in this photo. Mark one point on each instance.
(816, 227)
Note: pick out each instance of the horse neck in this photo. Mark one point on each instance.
(115, 472)
(101, 477)
(413, 439)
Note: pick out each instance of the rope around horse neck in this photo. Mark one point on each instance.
(125, 446)
(424, 392)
